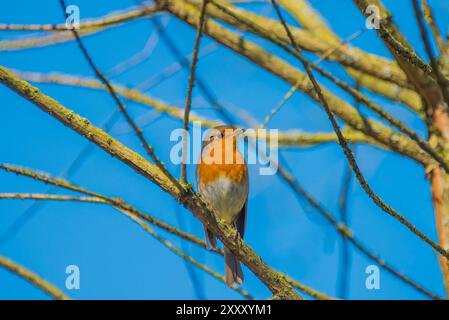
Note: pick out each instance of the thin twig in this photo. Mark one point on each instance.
(184, 62)
(195, 278)
(54, 197)
(28, 214)
(348, 153)
(118, 204)
(133, 217)
(111, 19)
(424, 145)
(441, 80)
(343, 206)
(398, 124)
(430, 19)
(298, 84)
(130, 212)
(190, 88)
(39, 176)
(62, 183)
(138, 132)
(185, 256)
(344, 259)
(342, 229)
(291, 75)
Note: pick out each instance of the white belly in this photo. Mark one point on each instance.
(225, 197)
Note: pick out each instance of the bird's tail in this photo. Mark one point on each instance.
(210, 239)
(233, 269)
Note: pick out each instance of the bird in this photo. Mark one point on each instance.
(223, 183)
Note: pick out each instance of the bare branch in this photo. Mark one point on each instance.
(110, 19)
(33, 278)
(291, 75)
(315, 24)
(343, 230)
(137, 131)
(123, 206)
(291, 138)
(430, 19)
(97, 198)
(53, 197)
(185, 63)
(173, 69)
(86, 28)
(348, 153)
(190, 88)
(350, 57)
(361, 98)
(271, 278)
(357, 95)
(344, 265)
(119, 205)
(417, 71)
(441, 80)
(184, 256)
(133, 217)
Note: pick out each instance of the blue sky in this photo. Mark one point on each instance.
(117, 259)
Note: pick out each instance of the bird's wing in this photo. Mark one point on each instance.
(240, 222)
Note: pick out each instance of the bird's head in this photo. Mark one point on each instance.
(221, 140)
(223, 132)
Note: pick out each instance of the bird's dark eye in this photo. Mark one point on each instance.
(213, 135)
(217, 135)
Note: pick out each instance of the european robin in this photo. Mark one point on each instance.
(222, 180)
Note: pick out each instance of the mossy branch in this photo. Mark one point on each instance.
(355, 93)
(188, 198)
(374, 70)
(347, 151)
(418, 72)
(122, 206)
(384, 135)
(315, 24)
(292, 138)
(132, 212)
(347, 56)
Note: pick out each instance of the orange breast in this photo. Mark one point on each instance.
(213, 170)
